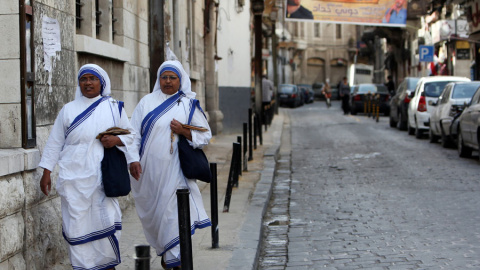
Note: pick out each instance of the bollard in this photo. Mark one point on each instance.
(266, 110)
(236, 156)
(184, 230)
(259, 123)
(142, 257)
(244, 152)
(231, 180)
(214, 204)
(378, 108)
(255, 131)
(250, 150)
(239, 154)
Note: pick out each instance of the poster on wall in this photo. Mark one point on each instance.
(392, 13)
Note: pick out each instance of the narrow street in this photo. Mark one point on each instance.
(351, 193)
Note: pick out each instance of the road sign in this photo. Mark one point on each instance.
(426, 53)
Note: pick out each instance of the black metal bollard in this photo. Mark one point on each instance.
(255, 131)
(236, 160)
(239, 154)
(244, 152)
(250, 140)
(214, 204)
(259, 123)
(231, 180)
(184, 230)
(142, 257)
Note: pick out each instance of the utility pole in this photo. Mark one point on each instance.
(156, 37)
(257, 10)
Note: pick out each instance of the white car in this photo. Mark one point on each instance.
(420, 107)
(450, 104)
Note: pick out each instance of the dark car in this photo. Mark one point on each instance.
(307, 91)
(289, 95)
(317, 91)
(399, 103)
(363, 91)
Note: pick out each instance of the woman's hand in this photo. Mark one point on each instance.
(46, 182)
(177, 128)
(109, 141)
(135, 170)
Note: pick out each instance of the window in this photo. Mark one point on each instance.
(27, 74)
(100, 12)
(316, 30)
(338, 31)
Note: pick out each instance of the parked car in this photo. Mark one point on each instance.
(317, 90)
(420, 107)
(468, 127)
(451, 102)
(289, 95)
(307, 90)
(359, 95)
(399, 103)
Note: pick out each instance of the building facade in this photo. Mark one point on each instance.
(44, 44)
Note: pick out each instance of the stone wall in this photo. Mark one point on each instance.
(30, 223)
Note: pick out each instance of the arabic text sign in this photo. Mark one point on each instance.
(368, 12)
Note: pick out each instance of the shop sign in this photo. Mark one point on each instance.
(463, 50)
(472, 12)
(444, 29)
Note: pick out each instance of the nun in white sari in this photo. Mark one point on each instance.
(91, 222)
(157, 121)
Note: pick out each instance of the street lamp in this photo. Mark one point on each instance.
(257, 7)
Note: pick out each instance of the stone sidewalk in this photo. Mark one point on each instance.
(240, 228)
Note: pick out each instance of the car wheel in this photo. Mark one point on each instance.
(432, 137)
(418, 132)
(393, 123)
(411, 130)
(463, 150)
(446, 141)
(402, 123)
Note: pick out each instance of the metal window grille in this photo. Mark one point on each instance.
(114, 20)
(78, 14)
(27, 69)
(98, 12)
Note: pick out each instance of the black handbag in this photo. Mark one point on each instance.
(115, 176)
(193, 161)
(116, 181)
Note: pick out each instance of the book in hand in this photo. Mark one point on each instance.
(195, 127)
(113, 131)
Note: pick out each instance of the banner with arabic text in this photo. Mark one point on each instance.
(365, 12)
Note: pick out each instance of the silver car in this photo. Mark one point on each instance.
(419, 109)
(468, 127)
(449, 105)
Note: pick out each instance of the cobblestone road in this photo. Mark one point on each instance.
(351, 193)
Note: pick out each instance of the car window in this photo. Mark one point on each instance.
(464, 91)
(475, 97)
(412, 83)
(286, 89)
(372, 88)
(434, 89)
(402, 87)
(445, 95)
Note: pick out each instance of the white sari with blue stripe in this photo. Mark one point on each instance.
(155, 192)
(91, 221)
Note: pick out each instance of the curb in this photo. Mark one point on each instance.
(246, 253)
